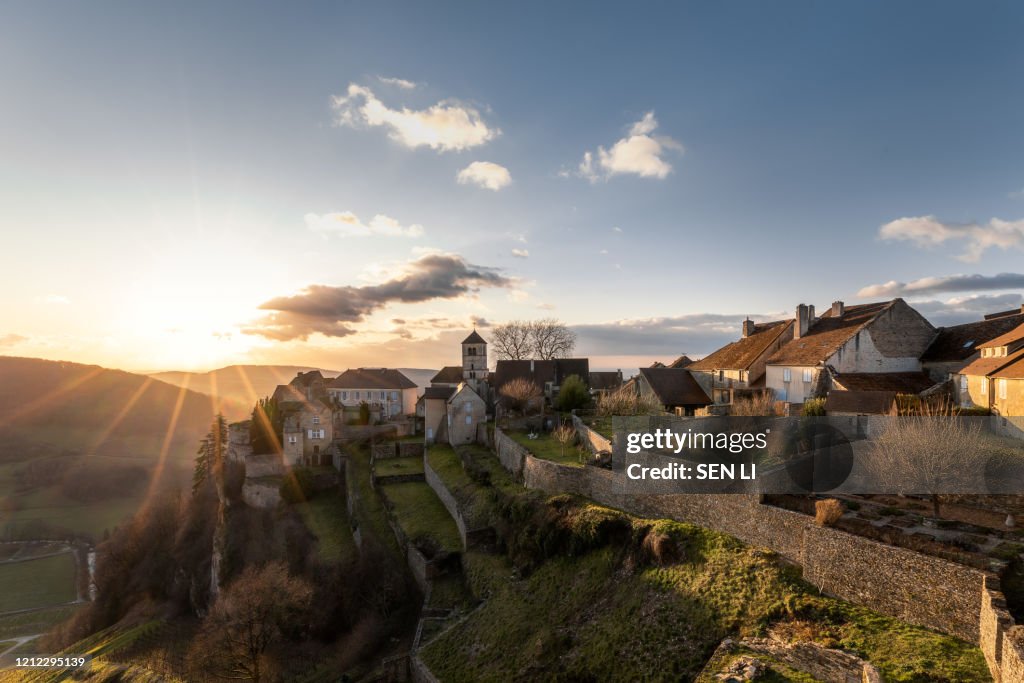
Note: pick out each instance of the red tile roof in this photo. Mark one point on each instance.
(740, 355)
(1014, 335)
(984, 367)
(896, 382)
(827, 334)
(450, 374)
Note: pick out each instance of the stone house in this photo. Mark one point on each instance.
(958, 346)
(884, 337)
(604, 382)
(741, 364)
(995, 380)
(675, 388)
(308, 420)
(389, 394)
(451, 414)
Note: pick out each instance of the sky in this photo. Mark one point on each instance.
(188, 186)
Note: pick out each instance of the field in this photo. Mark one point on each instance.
(325, 516)
(389, 467)
(421, 514)
(37, 583)
(546, 447)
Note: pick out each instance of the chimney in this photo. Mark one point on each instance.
(838, 309)
(748, 327)
(531, 365)
(803, 321)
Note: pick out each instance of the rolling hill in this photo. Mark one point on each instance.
(80, 445)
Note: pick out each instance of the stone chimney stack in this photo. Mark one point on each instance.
(803, 320)
(748, 328)
(838, 309)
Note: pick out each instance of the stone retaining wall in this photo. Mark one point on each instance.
(916, 588)
(594, 442)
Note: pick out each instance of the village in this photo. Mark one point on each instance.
(416, 458)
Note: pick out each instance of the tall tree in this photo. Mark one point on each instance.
(551, 339)
(267, 427)
(512, 340)
(210, 456)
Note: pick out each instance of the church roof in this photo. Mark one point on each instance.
(474, 338)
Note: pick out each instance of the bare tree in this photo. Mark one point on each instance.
(255, 611)
(520, 392)
(928, 455)
(512, 341)
(624, 401)
(551, 339)
(565, 435)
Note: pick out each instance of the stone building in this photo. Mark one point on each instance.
(547, 375)
(307, 413)
(995, 380)
(741, 364)
(958, 346)
(389, 394)
(451, 414)
(884, 337)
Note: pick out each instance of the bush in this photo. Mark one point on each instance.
(827, 512)
(573, 394)
(814, 407)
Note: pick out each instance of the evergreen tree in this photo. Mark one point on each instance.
(210, 456)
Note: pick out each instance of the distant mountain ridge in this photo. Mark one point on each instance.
(243, 385)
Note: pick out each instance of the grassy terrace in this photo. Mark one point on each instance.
(610, 612)
(421, 514)
(326, 517)
(475, 500)
(546, 447)
(37, 583)
(389, 467)
(369, 509)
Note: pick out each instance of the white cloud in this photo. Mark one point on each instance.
(485, 174)
(347, 224)
(603, 251)
(57, 299)
(518, 295)
(1016, 194)
(398, 82)
(928, 231)
(639, 153)
(521, 253)
(945, 284)
(616, 229)
(445, 126)
(517, 236)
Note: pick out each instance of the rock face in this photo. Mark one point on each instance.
(756, 655)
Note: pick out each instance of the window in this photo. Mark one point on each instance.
(316, 419)
(1001, 384)
(721, 375)
(787, 375)
(984, 385)
(394, 395)
(293, 439)
(469, 419)
(963, 383)
(469, 407)
(344, 396)
(808, 375)
(383, 395)
(355, 395)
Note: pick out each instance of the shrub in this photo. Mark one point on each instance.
(624, 402)
(573, 394)
(298, 485)
(814, 407)
(520, 392)
(761, 404)
(827, 512)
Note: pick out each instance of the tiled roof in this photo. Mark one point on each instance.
(442, 393)
(603, 381)
(450, 374)
(827, 334)
(1014, 335)
(959, 342)
(860, 402)
(304, 379)
(541, 371)
(474, 338)
(1012, 370)
(894, 382)
(675, 387)
(683, 361)
(984, 367)
(741, 354)
(372, 378)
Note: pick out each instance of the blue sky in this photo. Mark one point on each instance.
(166, 171)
